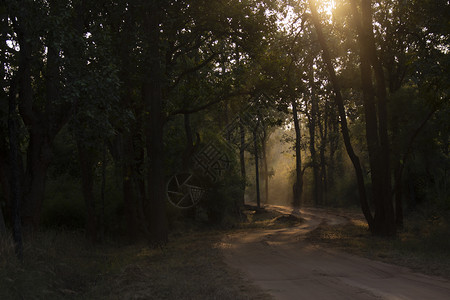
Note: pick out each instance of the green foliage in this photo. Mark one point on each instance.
(344, 193)
(64, 206)
(214, 57)
(221, 203)
(65, 161)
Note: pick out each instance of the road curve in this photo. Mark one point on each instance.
(281, 262)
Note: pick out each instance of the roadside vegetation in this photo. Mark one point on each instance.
(422, 245)
(61, 264)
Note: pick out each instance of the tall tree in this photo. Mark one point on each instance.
(376, 121)
(298, 184)
(43, 114)
(152, 96)
(342, 115)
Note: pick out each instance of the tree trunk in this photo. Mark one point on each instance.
(129, 201)
(399, 166)
(34, 178)
(398, 190)
(323, 174)
(298, 185)
(265, 162)
(376, 122)
(332, 131)
(138, 176)
(38, 160)
(156, 186)
(2, 224)
(317, 195)
(133, 187)
(4, 184)
(255, 146)
(242, 159)
(343, 119)
(189, 149)
(45, 120)
(102, 192)
(131, 156)
(266, 173)
(16, 173)
(87, 161)
(154, 125)
(5, 174)
(44, 128)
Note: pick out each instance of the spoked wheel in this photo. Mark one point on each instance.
(184, 191)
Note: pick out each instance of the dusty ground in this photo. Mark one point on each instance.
(63, 265)
(284, 263)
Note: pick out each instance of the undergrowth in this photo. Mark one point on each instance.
(422, 245)
(63, 265)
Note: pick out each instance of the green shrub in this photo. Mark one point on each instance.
(220, 205)
(63, 205)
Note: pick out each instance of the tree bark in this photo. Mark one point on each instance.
(265, 162)
(133, 187)
(190, 147)
(102, 192)
(131, 156)
(16, 172)
(399, 167)
(298, 185)
(4, 184)
(129, 201)
(317, 187)
(34, 180)
(87, 161)
(43, 121)
(242, 159)
(2, 224)
(255, 147)
(154, 125)
(343, 119)
(376, 122)
(5, 174)
(323, 174)
(332, 131)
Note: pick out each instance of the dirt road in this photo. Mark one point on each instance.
(288, 267)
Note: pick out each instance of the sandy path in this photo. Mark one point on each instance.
(288, 267)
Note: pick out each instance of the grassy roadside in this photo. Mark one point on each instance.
(423, 245)
(63, 265)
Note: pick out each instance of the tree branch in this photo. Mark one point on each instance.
(207, 105)
(191, 70)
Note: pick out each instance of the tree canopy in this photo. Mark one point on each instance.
(127, 95)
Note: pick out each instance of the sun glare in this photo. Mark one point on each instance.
(324, 6)
(327, 6)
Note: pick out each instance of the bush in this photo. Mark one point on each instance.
(220, 206)
(63, 205)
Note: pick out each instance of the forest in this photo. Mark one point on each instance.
(133, 121)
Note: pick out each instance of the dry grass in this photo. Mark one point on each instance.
(57, 264)
(62, 265)
(191, 267)
(422, 248)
